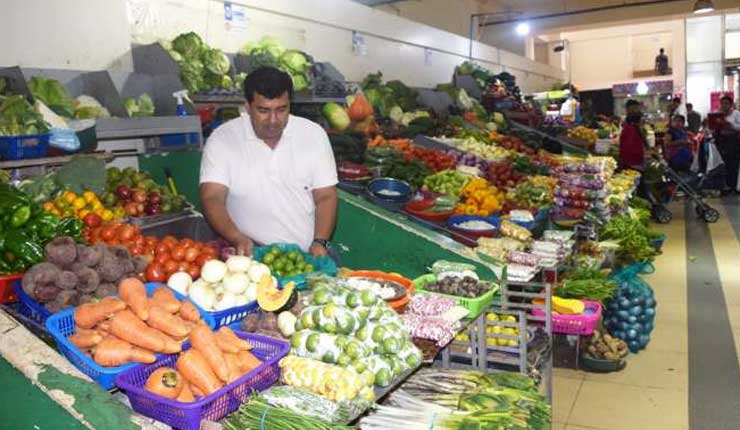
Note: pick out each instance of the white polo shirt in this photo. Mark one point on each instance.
(270, 190)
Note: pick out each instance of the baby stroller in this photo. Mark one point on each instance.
(661, 185)
(708, 166)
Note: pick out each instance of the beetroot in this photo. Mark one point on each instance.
(67, 280)
(61, 251)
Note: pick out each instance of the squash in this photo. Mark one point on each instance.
(269, 298)
(360, 108)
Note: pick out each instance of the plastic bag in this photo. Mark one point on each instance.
(64, 139)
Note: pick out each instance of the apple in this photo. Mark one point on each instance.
(139, 195)
(123, 192)
(154, 197)
(131, 208)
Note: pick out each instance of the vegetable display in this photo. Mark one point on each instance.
(139, 107)
(630, 314)
(590, 284)
(202, 68)
(19, 118)
(307, 403)
(633, 238)
(86, 206)
(449, 182)
(605, 347)
(478, 197)
(268, 51)
(327, 380)
(257, 414)
(459, 286)
(138, 194)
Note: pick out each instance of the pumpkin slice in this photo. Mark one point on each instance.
(271, 299)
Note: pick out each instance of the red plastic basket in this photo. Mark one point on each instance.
(581, 325)
(187, 416)
(7, 292)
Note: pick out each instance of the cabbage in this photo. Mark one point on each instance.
(87, 107)
(336, 115)
(215, 61)
(191, 72)
(144, 106)
(300, 82)
(189, 44)
(396, 114)
(53, 94)
(295, 61)
(267, 45)
(218, 81)
(18, 117)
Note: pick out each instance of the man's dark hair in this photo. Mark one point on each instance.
(268, 82)
(689, 106)
(662, 50)
(727, 98)
(679, 118)
(631, 103)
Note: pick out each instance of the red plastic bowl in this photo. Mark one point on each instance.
(7, 293)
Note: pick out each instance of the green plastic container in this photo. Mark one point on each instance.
(323, 265)
(475, 306)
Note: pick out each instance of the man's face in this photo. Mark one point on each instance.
(726, 106)
(269, 116)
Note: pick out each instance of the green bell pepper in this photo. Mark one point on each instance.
(19, 245)
(70, 226)
(44, 226)
(15, 206)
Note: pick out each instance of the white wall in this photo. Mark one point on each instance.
(452, 16)
(605, 56)
(69, 34)
(97, 34)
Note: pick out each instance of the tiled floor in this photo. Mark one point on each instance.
(652, 391)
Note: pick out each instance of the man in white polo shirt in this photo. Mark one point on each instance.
(270, 176)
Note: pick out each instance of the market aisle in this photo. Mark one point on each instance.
(652, 392)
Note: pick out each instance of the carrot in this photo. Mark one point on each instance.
(228, 341)
(130, 328)
(189, 312)
(102, 327)
(89, 314)
(203, 339)
(171, 346)
(165, 382)
(186, 395)
(133, 292)
(247, 361)
(196, 391)
(85, 340)
(112, 352)
(169, 324)
(165, 299)
(232, 362)
(194, 367)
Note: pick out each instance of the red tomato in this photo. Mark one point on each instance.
(125, 232)
(201, 260)
(139, 241)
(170, 240)
(162, 248)
(155, 273)
(108, 232)
(183, 266)
(170, 267)
(178, 252)
(187, 242)
(194, 271)
(162, 257)
(191, 254)
(151, 241)
(136, 250)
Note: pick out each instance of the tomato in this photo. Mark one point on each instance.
(136, 250)
(169, 240)
(150, 252)
(183, 266)
(162, 248)
(125, 232)
(155, 273)
(151, 241)
(139, 241)
(178, 252)
(210, 252)
(162, 257)
(201, 259)
(191, 254)
(170, 267)
(108, 232)
(194, 271)
(187, 242)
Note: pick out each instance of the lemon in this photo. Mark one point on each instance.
(89, 196)
(69, 196)
(510, 318)
(78, 203)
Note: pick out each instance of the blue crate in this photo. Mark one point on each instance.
(62, 324)
(28, 307)
(23, 147)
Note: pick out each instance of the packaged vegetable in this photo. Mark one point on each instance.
(510, 229)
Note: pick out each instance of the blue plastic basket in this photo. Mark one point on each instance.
(213, 407)
(231, 315)
(29, 307)
(323, 265)
(62, 324)
(22, 147)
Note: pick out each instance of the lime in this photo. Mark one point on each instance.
(362, 334)
(413, 360)
(268, 259)
(312, 342)
(391, 345)
(308, 268)
(383, 377)
(296, 340)
(359, 366)
(288, 266)
(275, 250)
(344, 360)
(378, 334)
(328, 357)
(354, 350)
(329, 327)
(341, 341)
(330, 310)
(295, 256)
(321, 296)
(353, 300)
(307, 320)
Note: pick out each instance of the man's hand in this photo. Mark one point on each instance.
(318, 250)
(244, 246)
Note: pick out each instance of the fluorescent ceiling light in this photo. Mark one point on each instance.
(522, 29)
(703, 6)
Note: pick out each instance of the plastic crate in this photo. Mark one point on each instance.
(231, 315)
(62, 324)
(581, 325)
(7, 290)
(323, 265)
(29, 307)
(475, 306)
(187, 416)
(23, 147)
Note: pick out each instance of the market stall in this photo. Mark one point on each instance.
(466, 242)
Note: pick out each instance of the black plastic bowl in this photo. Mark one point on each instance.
(600, 365)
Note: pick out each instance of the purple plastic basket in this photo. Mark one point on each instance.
(29, 307)
(187, 416)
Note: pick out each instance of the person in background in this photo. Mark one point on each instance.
(693, 117)
(270, 177)
(677, 150)
(632, 139)
(674, 109)
(727, 142)
(661, 63)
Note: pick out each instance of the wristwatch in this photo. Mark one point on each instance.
(322, 242)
